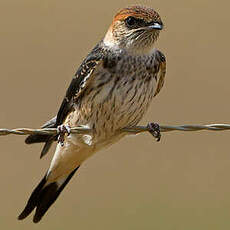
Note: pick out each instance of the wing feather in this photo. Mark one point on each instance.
(79, 82)
(161, 66)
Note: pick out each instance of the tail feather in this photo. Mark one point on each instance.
(32, 202)
(36, 138)
(43, 197)
(41, 138)
(46, 147)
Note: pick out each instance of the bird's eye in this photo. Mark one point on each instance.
(130, 21)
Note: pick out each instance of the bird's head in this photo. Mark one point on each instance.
(134, 29)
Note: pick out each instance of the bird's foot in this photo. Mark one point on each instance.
(62, 130)
(154, 129)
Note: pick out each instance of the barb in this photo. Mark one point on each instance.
(133, 130)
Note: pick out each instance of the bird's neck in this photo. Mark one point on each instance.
(116, 46)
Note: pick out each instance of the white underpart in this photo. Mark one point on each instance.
(111, 44)
(87, 139)
(130, 46)
(109, 40)
(66, 158)
(61, 181)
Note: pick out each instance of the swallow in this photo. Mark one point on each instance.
(112, 89)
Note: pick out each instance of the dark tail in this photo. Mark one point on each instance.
(43, 197)
(41, 138)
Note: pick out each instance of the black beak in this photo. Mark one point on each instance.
(156, 26)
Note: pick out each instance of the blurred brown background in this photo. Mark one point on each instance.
(181, 183)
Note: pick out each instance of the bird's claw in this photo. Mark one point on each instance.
(62, 130)
(154, 129)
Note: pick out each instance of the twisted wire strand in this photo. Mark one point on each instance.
(133, 130)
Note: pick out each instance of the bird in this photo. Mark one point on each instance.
(112, 89)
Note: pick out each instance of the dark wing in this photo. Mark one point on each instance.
(78, 84)
(160, 67)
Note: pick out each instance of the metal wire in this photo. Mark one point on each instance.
(133, 130)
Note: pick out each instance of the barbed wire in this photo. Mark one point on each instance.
(133, 130)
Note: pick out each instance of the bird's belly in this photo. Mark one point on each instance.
(115, 105)
(120, 105)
